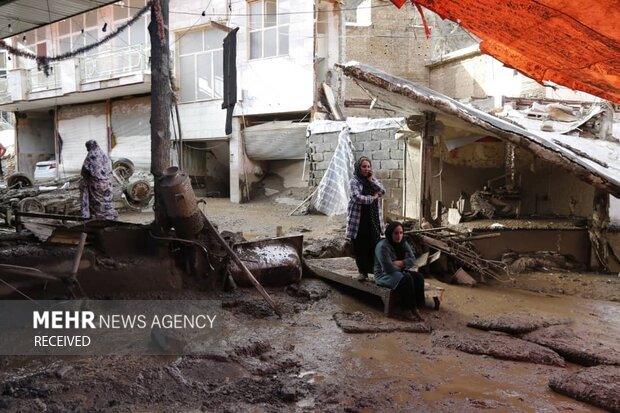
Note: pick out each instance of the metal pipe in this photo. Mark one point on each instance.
(29, 271)
(186, 241)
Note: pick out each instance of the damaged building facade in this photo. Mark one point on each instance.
(281, 56)
(525, 171)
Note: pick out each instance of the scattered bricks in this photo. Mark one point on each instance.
(389, 144)
(396, 174)
(363, 137)
(380, 135)
(371, 146)
(382, 155)
(391, 164)
(382, 174)
(397, 154)
(317, 157)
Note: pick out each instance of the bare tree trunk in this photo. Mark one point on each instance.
(161, 98)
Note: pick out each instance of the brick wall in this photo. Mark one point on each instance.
(394, 42)
(379, 145)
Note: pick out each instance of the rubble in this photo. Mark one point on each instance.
(519, 263)
(328, 248)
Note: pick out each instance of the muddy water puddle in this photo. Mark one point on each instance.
(415, 375)
(304, 362)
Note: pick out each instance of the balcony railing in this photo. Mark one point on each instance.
(114, 63)
(39, 81)
(5, 95)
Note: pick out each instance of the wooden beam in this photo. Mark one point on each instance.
(598, 231)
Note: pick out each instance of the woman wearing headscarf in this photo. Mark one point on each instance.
(96, 184)
(365, 218)
(393, 260)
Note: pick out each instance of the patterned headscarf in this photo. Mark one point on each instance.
(97, 163)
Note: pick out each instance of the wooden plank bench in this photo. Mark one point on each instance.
(343, 271)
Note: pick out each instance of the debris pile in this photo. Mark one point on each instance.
(519, 263)
(131, 191)
(458, 246)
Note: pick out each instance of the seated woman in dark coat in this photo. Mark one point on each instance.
(393, 260)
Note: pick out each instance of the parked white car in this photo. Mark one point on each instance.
(46, 170)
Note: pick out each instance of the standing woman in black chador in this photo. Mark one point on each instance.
(365, 218)
(393, 262)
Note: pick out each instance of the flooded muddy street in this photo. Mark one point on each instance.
(305, 362)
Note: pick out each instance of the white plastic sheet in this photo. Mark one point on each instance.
(332, 195)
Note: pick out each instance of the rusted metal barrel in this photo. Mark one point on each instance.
(180, 202)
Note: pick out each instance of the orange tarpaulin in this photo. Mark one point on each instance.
(572, 43)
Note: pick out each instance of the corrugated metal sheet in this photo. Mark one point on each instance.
(24, 15)
(76, 125)
(276, 140)
(132, 128)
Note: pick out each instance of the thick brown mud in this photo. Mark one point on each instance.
(515, 323)
(577, 347)
(598, 385)
(499, 346)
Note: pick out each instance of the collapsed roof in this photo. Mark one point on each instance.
(594, 161)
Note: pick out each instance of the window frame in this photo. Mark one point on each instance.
(262, 29)
(363, 15)
(195, 56)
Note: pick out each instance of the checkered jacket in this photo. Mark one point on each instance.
(355, 205)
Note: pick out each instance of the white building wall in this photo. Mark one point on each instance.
(204, 119)
(278, 84)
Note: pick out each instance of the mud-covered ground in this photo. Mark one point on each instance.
(305, 362)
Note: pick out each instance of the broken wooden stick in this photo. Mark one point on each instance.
(304, 201)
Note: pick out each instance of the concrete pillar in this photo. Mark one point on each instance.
(236, 162)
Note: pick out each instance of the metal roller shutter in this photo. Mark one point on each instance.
(132, 128)
(76, 125)
(276, 140)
